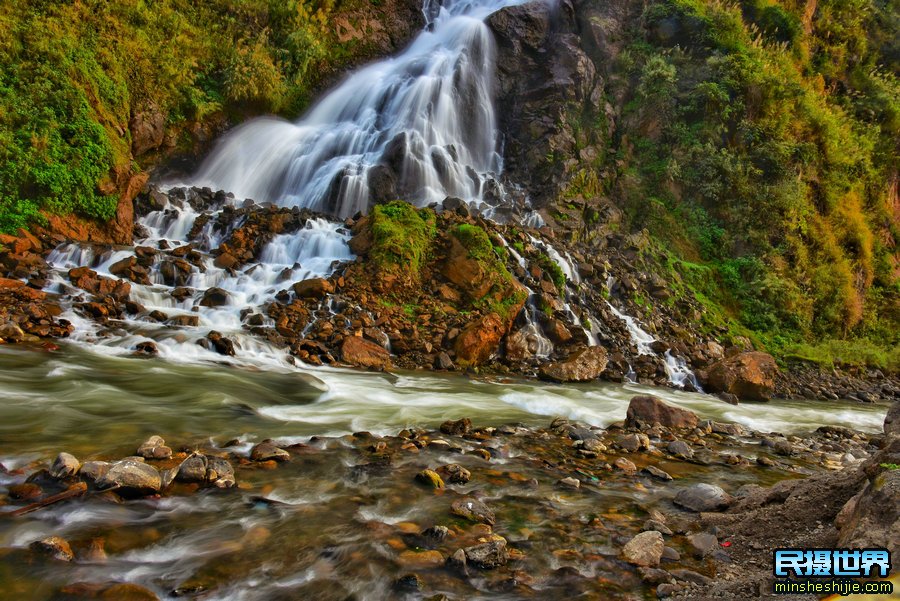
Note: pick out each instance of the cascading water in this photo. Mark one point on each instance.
(676, 367)
(419, 126)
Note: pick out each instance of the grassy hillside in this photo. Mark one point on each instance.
(759, 146)
(74, 75)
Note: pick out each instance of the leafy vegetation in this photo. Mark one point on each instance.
(402, 237)
(554, 271)
(762, 153)
(503, 295)
(73, 74)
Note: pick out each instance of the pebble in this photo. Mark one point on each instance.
(154, 448)
(569, 483)
(657, 473)
(626, 466)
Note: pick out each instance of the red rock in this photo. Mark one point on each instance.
(479, 340)
(314, 288)
(362, 353)
(749, 376)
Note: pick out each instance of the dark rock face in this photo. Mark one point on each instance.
(541, 69)
(748, 376)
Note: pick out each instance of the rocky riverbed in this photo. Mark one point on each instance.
(467, 294)
(664, 504)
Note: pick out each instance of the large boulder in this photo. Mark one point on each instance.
(648, 409)
(358, 351)
(749, 376)
(581, 366)
(479, 340)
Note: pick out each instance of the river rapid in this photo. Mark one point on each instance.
(325, 526)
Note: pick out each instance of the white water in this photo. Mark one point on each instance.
(428, 113)
(311, 252)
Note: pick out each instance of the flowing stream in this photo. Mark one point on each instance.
(430, 105)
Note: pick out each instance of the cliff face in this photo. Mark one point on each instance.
(752, 144)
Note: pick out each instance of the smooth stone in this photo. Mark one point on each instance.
(703, 544)
(569, 483)
(691, 576)
(645, 549)
(132, 477)
(652, 470)
(430, 478)
(681, 449)
(702, 497)
(473, 510)
(154, 448)
(266, 451)
(64, 466)
(94, 470)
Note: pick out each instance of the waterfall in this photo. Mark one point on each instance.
(419, 126)
(641, 338)
(676, 367)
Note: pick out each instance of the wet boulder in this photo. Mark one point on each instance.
(581, 366)
(215, 297)
(703, 497)
(749, 376)
(489, 555)
(267, 451)
(53, 547)
(131, 478)
(473, 510)
(648, 409)
(314, 288)
(64, 466)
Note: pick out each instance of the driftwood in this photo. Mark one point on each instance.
(76, 490)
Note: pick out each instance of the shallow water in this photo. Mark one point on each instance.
(341, 528)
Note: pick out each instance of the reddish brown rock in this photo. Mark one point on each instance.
(314, 288)
(650, 410)
(581, 366)
(479, 340)
(362, 353)
(749, 376)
